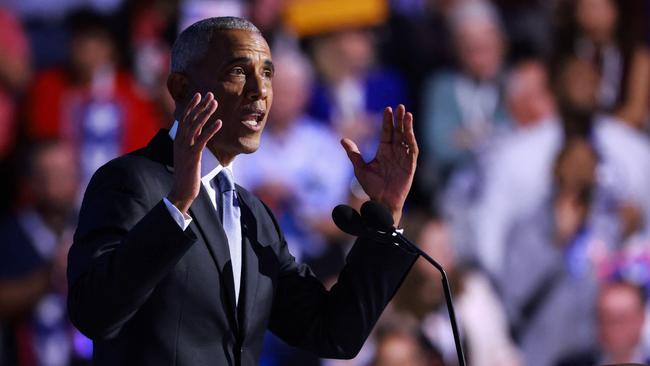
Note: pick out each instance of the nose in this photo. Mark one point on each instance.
(257, 88)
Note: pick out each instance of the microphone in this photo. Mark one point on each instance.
(348, 220)
(377, 216)
(376, 219)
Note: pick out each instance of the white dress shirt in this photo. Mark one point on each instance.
(210, 167)
(517, 181)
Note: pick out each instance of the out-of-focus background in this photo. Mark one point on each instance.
(533, 185)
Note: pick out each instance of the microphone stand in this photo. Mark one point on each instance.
(376, 223)
(446, 289)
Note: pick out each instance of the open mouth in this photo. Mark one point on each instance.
(253, 118)
(251, 122)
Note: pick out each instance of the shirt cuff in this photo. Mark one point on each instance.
(183, 220)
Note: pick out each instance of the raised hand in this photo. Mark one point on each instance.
(388, 177)
(194, 132)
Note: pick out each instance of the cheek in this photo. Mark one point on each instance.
(269, 99)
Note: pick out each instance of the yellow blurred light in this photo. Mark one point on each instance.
(312, 17)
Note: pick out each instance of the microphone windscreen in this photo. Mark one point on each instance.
(348, 220)
(377, 216)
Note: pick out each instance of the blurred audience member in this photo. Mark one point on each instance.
(300, 171)
(462, 107)
(33, 256)
(517, 174)
(267, 16)
(153, 22)
(608, 35)
(480, 314)
(91, 104)
(548, 280)
(352, 90)
(400, 342)
(624, 171)
(15, 72)
(621, 315)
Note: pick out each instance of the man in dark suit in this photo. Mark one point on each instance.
(172, 264)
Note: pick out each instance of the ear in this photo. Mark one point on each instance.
(178, 86)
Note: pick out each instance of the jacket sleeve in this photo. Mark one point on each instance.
(122, 248)
(336, 323)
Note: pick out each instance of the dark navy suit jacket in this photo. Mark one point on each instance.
(149, 293)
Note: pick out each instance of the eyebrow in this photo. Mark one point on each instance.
(244, 60)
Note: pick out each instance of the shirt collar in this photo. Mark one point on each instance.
(210, 165)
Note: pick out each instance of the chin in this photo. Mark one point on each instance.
(248, 146)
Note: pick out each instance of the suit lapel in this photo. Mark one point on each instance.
(251, 264)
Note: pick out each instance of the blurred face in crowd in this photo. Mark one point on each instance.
(578, 84)
(290, 91)
(597, 18)
(435, 240)
(480, 48)
(91, 51)
(399, 349)
(576, 166)
(620, 320)
(238, 69)
(529, 98)
(54, 179)
(344, 54)
(265, 13)
(355, 47)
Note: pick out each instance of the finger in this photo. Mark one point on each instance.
(202, 117)
(183, 123)
(200, 108)
(191, 105)
(399, 124)
(353, 153)
(387, 126)
(195, 118)
(209, 130)
(409, 135)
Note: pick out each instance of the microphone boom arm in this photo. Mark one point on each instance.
(446, 289)
(376, 223)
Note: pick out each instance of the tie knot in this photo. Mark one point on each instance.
(225, 181)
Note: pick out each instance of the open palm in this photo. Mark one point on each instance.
(388, 177)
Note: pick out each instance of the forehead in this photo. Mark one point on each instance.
(227, 44)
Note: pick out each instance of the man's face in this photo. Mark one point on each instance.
(54, 180)
(238, 70)
(480, 49)
(621, 315)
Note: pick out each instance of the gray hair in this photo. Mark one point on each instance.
(470, 12)
(194, 41)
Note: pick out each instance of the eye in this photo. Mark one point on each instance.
(237, 71)
(268, 73)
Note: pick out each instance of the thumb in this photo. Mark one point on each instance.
(353, 153)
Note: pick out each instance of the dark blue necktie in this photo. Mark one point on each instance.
(231, 215)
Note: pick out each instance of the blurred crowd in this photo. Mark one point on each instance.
(533, 185)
